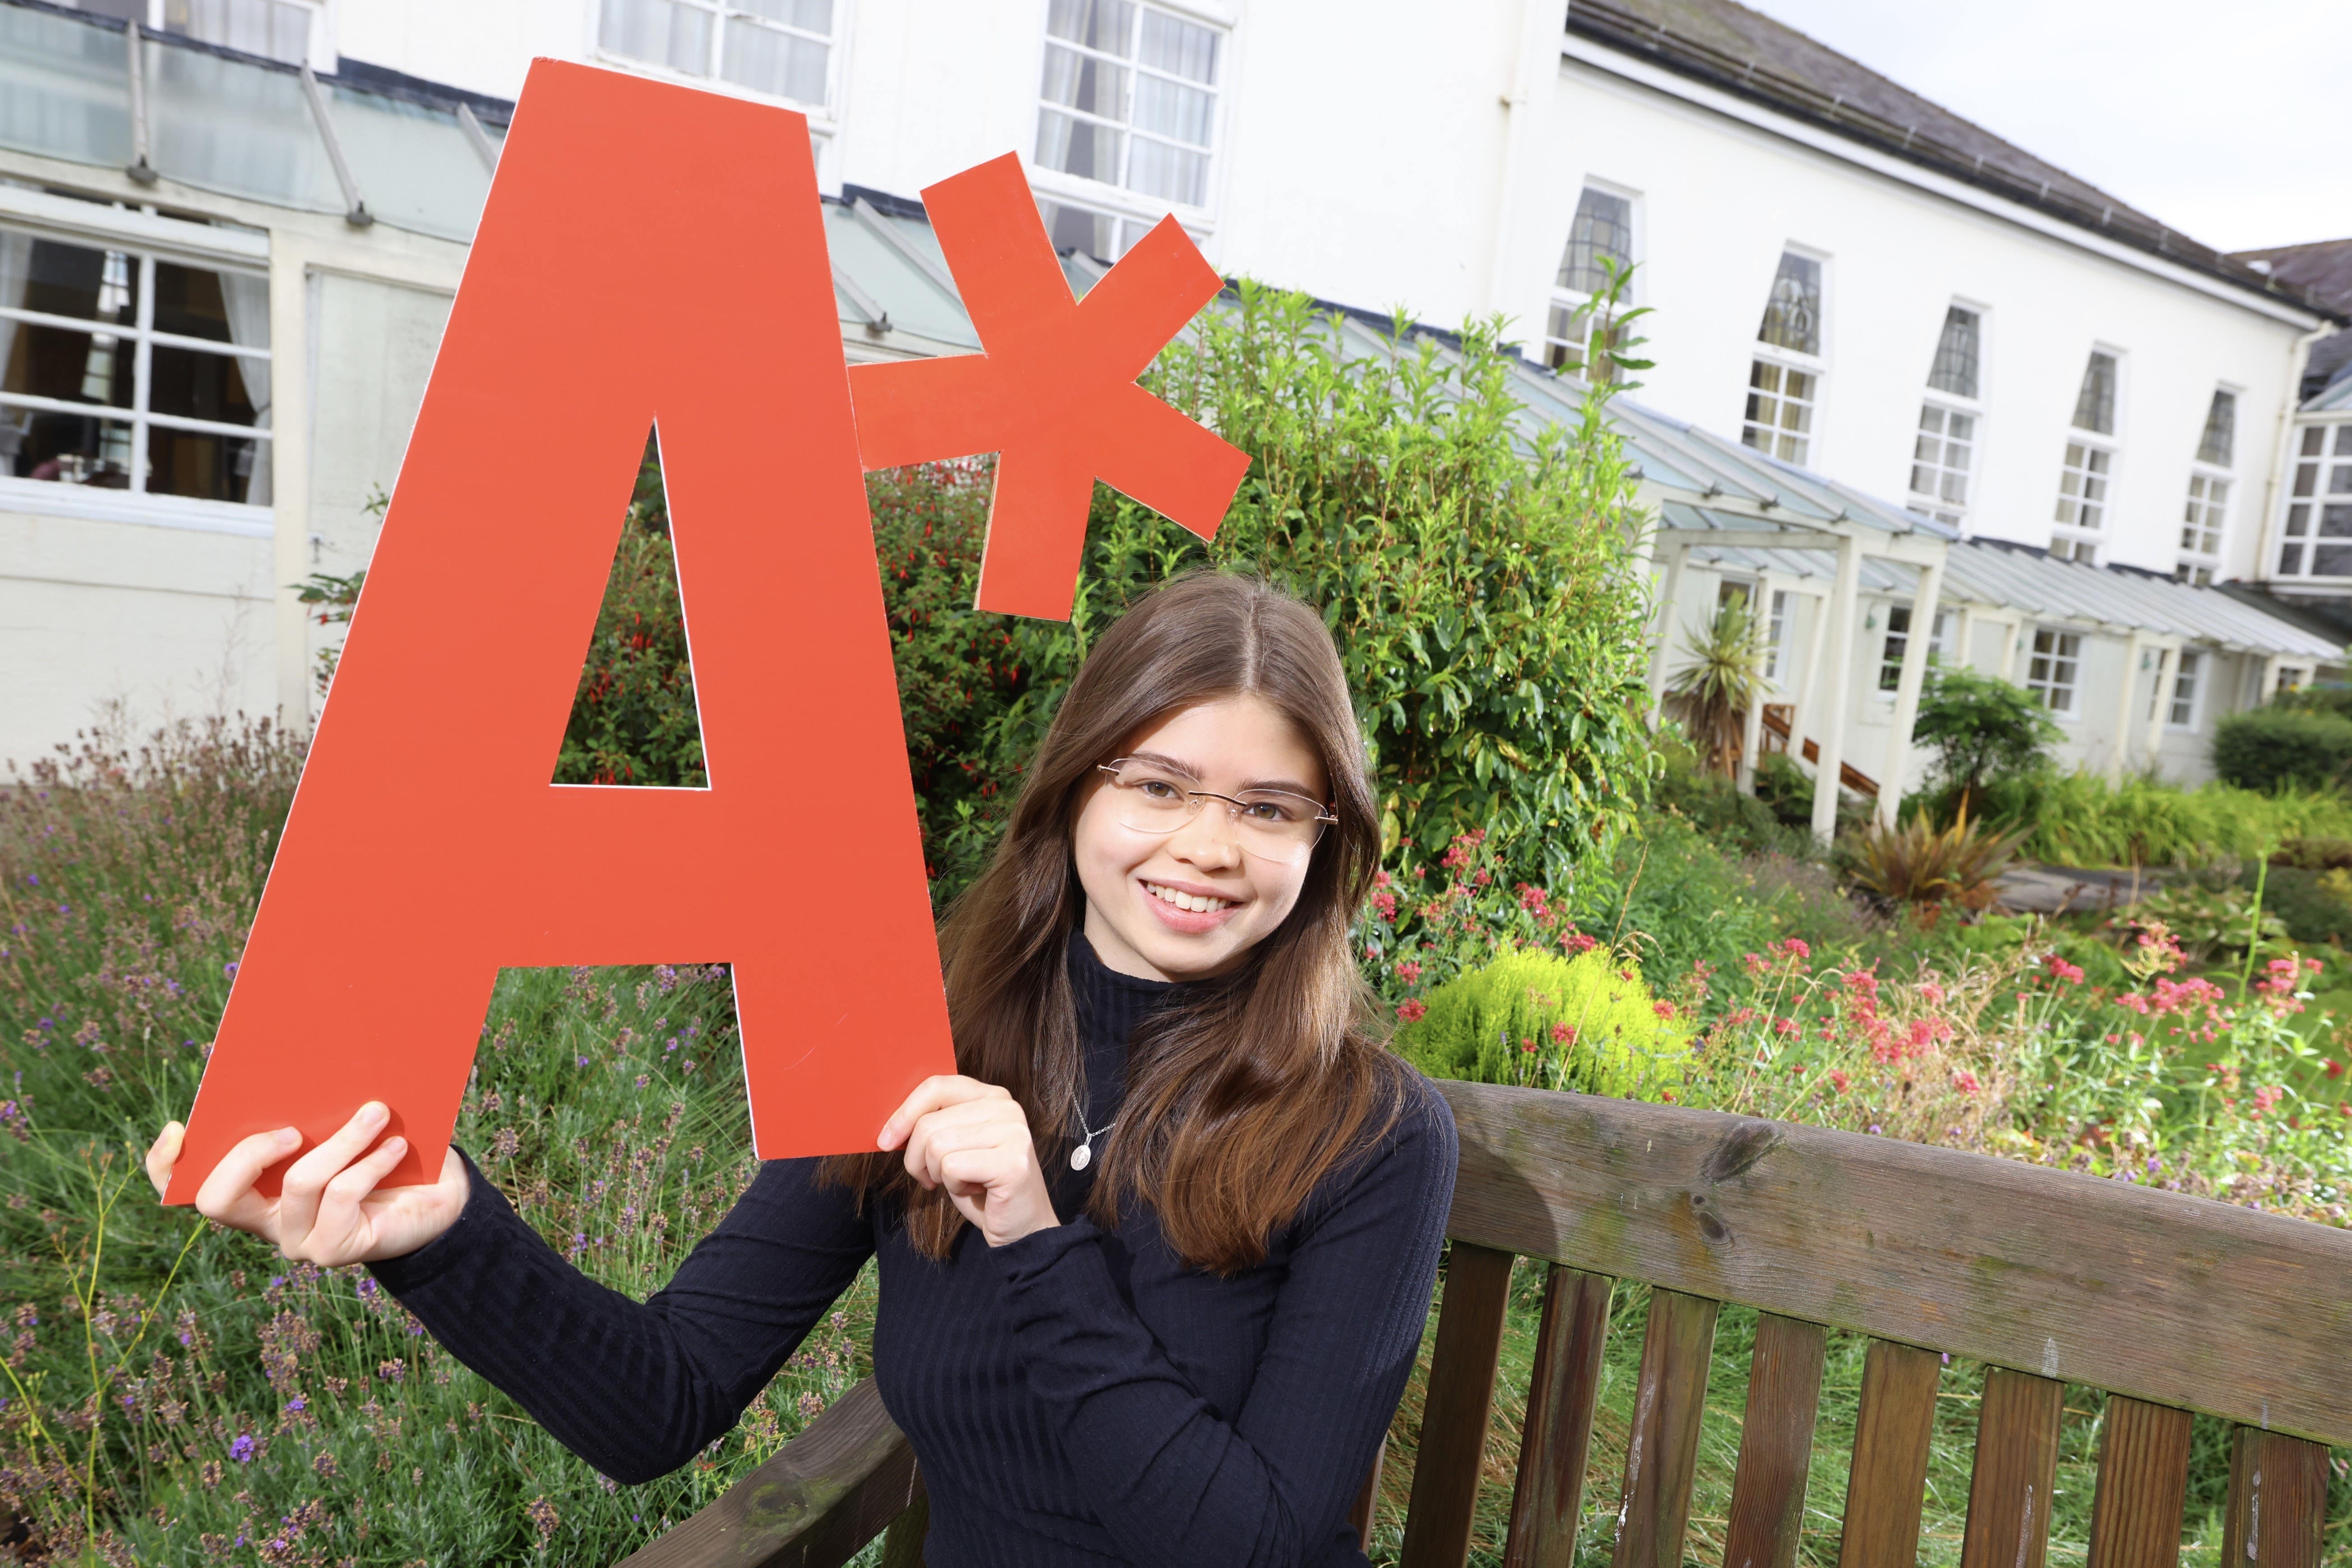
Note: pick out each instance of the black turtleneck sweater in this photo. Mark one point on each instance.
(1075, 1397)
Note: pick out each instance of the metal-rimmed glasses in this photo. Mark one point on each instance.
(1273, 823)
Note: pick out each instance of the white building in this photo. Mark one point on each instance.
(1844, 275)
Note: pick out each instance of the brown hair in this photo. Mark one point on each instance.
(1262, 1081)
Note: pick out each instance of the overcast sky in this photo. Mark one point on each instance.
(2231, 122)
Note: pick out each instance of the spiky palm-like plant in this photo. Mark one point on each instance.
(1711, 692)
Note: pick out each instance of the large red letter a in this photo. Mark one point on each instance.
(648, 254)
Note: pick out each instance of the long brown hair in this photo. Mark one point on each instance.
(1244, 1096)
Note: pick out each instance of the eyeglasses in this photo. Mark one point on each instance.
(1272, 824)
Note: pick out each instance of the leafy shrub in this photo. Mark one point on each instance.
(1733, 820)
(1982, 728)
(2314, 854)
(2314, 906)
(1926, 865)
(2335, 697)
(2082, 819)
(2272, 749)
(2208, 919)
(1587, 1023)
(1710, 692)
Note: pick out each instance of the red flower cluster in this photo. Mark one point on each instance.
(1413, 1010)
(2071, 973)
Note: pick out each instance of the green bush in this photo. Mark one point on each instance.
(2272, 749)
(1981, 728)
(1587, 1023)
(2082, 819)
(2315, 906)
(1741, 823)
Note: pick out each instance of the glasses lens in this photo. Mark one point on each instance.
(1151, 800)
(1273, 823)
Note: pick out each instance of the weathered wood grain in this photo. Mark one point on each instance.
(1661, 1449)
(1454, 1418)
(2169, 1298)
(1547, 1499)
(1361, 1513)
(828, 1492)
(2016, 1465)
(2278, 1502)
(1775, 1445)
(1888, 1482)
(2143, 1486)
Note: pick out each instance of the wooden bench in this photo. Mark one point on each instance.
(2168, 1304)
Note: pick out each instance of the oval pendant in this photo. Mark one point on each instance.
(1082, 1156)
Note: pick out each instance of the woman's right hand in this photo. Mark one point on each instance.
(328, 1210)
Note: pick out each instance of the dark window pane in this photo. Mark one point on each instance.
(75, 367)
(207, 467)
(1955, 369)
(2094, 404)
(75, 280)
(188, 302)
(2290, 560)
(195, 384)
(68, 449)
(1601, 231)
(2336, 523)
(2221, 437)
(2331, 560)
(1792, 314)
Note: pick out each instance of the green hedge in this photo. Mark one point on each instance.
(2271, 749)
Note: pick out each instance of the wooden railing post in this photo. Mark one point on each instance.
(1775, 1445)
(2143, 1486)
(1888, 1482)
(1454, 1418)
(1556, 1437)
(2016, 1465)
(2278, 1502)
(1662, 1450)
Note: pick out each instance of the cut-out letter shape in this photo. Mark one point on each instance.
(1053, 391)
(648, 254)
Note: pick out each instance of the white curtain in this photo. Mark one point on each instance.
(248, 300)
(16, 266)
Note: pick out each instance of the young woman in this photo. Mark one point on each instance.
(1153, 1265)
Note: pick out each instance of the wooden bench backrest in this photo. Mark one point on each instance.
(2169, 1304)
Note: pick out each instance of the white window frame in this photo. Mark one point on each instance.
(148, 239)
(2318, 460)
(2198, 566)
(1134, 210)
(1815, 366)
(2189, 683)
(1953, 513)
(1570, 300)
(2047, 684)
(2073, 542)
(1777, 626)
(825, 119)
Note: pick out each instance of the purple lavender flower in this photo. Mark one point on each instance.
(242, 1449)
(297, 1403)
(229, 969)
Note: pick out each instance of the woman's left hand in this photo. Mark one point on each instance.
(974, 1138)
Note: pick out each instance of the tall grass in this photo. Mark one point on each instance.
(2082, 819)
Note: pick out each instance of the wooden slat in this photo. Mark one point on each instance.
(2016, 1465)
(1454, 1418)
(1548, 1499)
(1889, 1479)
(903, 1546)
(1662, 1450)
(1366, 1508)
(2143, 1486)
(2166, 1298)
(828, 1492)
(2278, 1502)
(1775, 1445)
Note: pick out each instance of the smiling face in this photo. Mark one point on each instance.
(1192, 903)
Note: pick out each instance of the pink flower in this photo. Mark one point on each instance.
(1575, 941)
(1839, 1079)
(2266, 1097)
(1785, 1025)
(1409, 970)
(1794, 947)
(2334, 1069)
(1663, 1009)
(1966, 1082)
(1563, 1034)
(1757, 962)
(1931, 992)
(1531, 899)
(1413, 1010)
(2062, 969)
(1385, 902)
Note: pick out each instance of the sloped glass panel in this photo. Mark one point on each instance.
(241, 130)
(64, 88)
(415, 166)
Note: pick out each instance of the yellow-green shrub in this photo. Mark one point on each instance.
(1587, 1023)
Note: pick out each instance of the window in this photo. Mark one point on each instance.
(2082, 502)
(1781, 395)
(2221, 430)
(2292, 677)
(783, 47)
(1890, 654)
(2207, 506)
(1792, 313)
(1129, 98)
(126, 372)
(1780, 419)
(2316, 537)
(1600, 250)
(2184, 689)
(1776, 634)
(1955, 369)
(1941, 456)
(2050, 673)
(273, 29)
(2094, 404)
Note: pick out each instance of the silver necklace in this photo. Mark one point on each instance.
(1083, 1154)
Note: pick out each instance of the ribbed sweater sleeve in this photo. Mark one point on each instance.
(637, 1388)
(1173, 1482)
